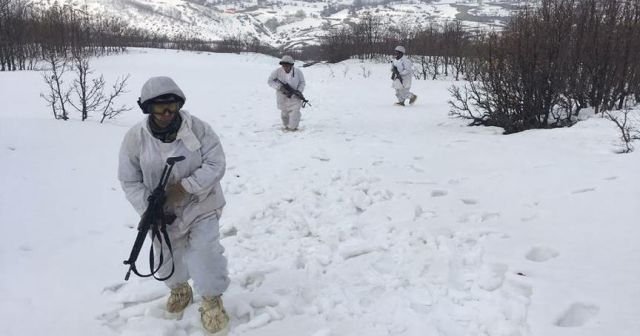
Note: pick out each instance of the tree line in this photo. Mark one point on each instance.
(551, 62)
(29, 35)
(437, 49)
(548, 63)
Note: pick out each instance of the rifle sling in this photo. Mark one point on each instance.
(159, 234)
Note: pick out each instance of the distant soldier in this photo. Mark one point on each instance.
(289, 84)
(401, 73)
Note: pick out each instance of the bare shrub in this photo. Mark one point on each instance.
(58, 95)
(628, 125)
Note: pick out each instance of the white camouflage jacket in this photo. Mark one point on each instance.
(405, 68)
(143, 157)
(295, 78)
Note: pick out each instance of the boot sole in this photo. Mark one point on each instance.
(177, 316)
(173, 316)
(222, 332)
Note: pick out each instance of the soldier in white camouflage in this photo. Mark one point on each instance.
(401, 74)
(194, 197)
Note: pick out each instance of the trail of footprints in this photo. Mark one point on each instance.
(492, 277)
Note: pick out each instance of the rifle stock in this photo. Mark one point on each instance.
(143, 228)
(135, 252)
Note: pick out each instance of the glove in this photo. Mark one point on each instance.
(175, 194)
(168, 218)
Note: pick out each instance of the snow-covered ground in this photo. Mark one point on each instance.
(372, 220)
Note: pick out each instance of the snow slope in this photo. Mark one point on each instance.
(373, 219)
(286, 23)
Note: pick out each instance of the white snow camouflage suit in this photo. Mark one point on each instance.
(289, 107)
(405, 68)
(195, 232)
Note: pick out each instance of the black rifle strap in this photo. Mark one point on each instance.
(157, 234)
(154, 219)
(163, 230)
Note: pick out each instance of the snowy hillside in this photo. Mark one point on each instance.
(373, 220)
(288, 22)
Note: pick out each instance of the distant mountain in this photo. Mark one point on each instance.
(288, 23)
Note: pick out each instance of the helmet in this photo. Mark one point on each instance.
(160, 87)
(400, 49)
(286, 59)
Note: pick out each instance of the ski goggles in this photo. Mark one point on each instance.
(164, 107)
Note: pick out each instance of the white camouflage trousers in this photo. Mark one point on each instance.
(291, 117)
(403, 94)
(198, 255)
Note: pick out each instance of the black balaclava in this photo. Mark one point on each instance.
(167, 134)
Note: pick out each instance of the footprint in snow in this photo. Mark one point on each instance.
(580, 191)
(541, 254)
(487, 216)
(439, 193)
(323, 332)
(416, 169)
(469, 201)
(529, 218)
(478, 218)
(577, 315)
(25, 248)
(492, 277)
(321, 155)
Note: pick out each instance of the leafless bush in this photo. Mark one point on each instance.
(366, 73)
(58, 96)
(86, 94)
(470, 102)
(552, 61)
(628, 127)
(89, 92)
(108, 111)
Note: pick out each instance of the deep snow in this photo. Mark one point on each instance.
(373, 219)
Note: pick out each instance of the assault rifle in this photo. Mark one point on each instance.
(289, 91)
(395, 74)
(156, 220)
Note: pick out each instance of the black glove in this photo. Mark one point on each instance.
(286, 92)
(168, 218)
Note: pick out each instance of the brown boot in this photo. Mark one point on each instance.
(413, 99)
(179, 299)
(213, 316)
